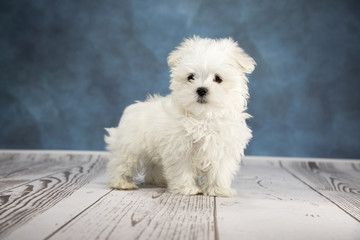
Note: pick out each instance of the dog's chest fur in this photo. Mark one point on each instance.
(207, 139)
(198, 130)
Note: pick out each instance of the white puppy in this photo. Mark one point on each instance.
(193, 139)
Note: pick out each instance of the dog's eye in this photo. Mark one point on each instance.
(217, 79)
(190, 77)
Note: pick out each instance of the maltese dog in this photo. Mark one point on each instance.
(193, 139)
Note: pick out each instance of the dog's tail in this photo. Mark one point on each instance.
(109, 138)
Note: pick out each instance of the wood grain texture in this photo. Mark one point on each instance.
(273, 204)
(21, 203)
(332, 180)
(17, 168)
(147, 213)
(48, 222)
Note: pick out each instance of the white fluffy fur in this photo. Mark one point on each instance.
(189, 146)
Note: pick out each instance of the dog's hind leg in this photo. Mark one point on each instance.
(121, 170)
(154, 175)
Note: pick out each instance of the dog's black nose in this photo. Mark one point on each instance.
(201, 91)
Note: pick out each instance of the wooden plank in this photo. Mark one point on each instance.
(18, 168)
(45, 224)
(335, 181)
(273, 204)
(20, 163)
(22, 203)
(96, 211)
(147, 213)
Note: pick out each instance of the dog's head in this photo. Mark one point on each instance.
(209, 75)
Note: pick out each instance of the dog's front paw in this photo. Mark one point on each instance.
(220, 192)
(186, 190)
(122, 185)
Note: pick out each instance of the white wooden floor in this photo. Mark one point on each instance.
(63, 195)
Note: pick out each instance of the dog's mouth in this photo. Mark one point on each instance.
(201, 100)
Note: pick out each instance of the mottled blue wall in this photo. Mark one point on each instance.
(68, 68)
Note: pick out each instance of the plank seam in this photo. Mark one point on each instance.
(298, 178)
(216, 232)
(76, 216)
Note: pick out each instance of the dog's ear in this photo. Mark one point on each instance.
(174, 57)
(246, 62)
(185, 47)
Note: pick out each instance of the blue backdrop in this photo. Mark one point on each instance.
(68, 68)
